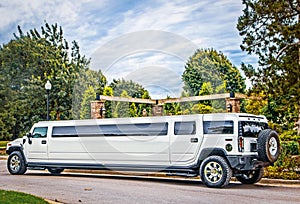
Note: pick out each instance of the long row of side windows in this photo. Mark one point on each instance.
(139, 129)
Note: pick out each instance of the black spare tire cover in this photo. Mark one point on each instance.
(268, 146)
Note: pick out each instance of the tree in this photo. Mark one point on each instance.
(208, 65)
(270, 30)
(88, 96)
(108, 91)
(133, 90)
(87, 78)
(26, 63)
(147, 107)
(122, 108)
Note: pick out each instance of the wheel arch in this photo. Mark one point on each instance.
(210, 152)
(17, 148)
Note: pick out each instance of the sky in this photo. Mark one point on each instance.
(148, 42)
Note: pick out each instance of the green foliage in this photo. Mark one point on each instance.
(256, 106)
(201, 109)
(26, 63)
(133, 110)
(210, 66)
(108, 91)
(121, 109)
(86, 79)
(290, 135)
(12, 197)
(133, 90)
(147, 107)
(88, 96)
(270, 30)
(288, 164)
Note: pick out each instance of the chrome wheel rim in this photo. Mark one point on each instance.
(273, 146)
(15, 163)
(213, 172)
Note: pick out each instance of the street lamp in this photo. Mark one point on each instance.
(48, 88)
(102, 112)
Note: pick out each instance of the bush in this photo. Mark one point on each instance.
(290, 135)
(288, 164)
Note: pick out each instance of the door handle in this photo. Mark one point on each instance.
(194, 140)
(44, 142)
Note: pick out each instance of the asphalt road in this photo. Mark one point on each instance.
(87, 188)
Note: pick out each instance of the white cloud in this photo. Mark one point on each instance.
(95, 24)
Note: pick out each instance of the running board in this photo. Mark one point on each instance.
(184, 174)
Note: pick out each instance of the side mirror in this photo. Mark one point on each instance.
(29, 136)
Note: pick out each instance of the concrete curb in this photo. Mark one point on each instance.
(3, 157)
(280, 181)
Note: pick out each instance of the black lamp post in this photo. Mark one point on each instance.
(102, 112)
(48, 88)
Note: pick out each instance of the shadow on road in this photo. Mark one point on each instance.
(166, 180)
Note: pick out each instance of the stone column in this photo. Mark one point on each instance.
(234, 103)
(157, 110)
(96, 106)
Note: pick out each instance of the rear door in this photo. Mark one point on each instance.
(185, 141)
(37, 145)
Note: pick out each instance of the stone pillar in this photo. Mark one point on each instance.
(157, 110)
(234, 103)
(96, 106)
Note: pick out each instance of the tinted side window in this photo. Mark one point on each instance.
(140, 129)
(218, 127)
(64, 131)
(40, 132)
(185, 128)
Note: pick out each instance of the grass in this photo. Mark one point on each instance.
(12, 197)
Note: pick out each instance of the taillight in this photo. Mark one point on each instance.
(241, 143)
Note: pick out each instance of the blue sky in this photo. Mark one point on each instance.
(146, 41)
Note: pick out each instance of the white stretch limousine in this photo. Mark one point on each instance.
(214, 146)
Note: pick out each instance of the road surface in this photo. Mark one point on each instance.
(88, 188)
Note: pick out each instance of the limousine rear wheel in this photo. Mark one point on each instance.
(55, 171)
(251, 177)
(215, 172)
(16, 163)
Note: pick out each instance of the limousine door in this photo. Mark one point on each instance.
(37, 148)
(185, 141)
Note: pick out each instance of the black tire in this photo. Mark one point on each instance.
(55, 171)
(215, 172)
(268, 146)
(251, 177)
(16, 164)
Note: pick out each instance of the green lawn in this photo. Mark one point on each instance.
(3, 144)
(11, 197)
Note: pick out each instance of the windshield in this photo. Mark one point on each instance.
(250, 128)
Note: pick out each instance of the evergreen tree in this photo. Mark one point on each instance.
(88, 96)
(270, 30)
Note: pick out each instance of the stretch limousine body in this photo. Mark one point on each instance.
(214, 146)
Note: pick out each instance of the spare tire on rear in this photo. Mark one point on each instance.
(268, 146)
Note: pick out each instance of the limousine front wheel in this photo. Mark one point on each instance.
(215, 172)
(16, 163)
